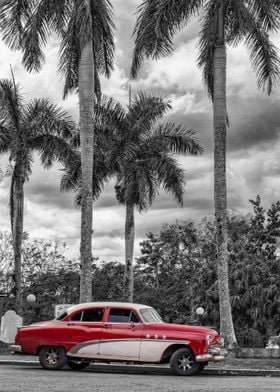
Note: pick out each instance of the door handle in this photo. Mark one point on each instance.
(107, 325)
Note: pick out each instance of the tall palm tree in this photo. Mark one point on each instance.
(25, 128)
(223, 22)
(140, 152)
(87, 47)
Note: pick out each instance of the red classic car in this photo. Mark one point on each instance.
(107, 332)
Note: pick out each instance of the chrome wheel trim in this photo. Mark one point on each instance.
(185, 362)
(52, 356)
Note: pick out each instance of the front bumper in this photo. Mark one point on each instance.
(15, 349)
(214, 354)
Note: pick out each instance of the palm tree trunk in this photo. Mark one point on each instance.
(129, 249)
(17, 230)
(220, 186)
(86, 102)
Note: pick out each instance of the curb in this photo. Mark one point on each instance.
(242, 372)
(142, 369)
(18, 362)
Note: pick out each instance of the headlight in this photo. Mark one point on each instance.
(208, 340)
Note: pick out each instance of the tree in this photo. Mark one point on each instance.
(87, 48)
(151, 165)
(25, 128)
(224, 22)
(265, 232)
(140, 152)
(6, 262)
(175, 248)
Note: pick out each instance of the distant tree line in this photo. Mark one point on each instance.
(176, 273)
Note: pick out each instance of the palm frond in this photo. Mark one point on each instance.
(121, 152)
(156, 24)
(173, 138)
(13, 16)
(71, 179)
(171, 15)
(75, 141)
(52, 148)
(5, 138)
(46, 16)
(266, 12)
(120, 190)
(207, 44)
(109, 114)
(11, 103)
(252, 20)
(263, 55)
(78, 198)
(146, 110)
(236, 19)
(111, 134)
(43, 117)
(98, 184)
(103, 39)
(69, 53)
(138, 184)
(170, 176)
(84, 24)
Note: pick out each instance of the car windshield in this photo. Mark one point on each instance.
(61, 316)
(150, 315)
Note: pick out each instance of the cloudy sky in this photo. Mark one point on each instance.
(253, 140)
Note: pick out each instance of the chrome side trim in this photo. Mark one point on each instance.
(79, 346)
(148, 350)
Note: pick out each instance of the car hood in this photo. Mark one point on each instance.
(185, 328)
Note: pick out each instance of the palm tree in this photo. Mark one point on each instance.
(25, 128)
(87, 48)
(224, 22)
(140, 152)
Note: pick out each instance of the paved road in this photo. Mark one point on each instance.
(35, 379)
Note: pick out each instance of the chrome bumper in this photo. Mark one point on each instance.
(214, 354)
(15, 349)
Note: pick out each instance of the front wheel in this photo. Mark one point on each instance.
(182, 363)
(77, 365)
(52, 358)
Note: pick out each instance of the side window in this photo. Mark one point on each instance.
(77, 316)
(122, 316)
(93, 315)
(133, 318)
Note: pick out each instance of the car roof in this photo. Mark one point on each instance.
(107, 304)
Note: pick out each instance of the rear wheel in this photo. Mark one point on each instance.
(77, 365)
(182, 363)
(52, 358)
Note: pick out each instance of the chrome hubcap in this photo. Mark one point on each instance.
(52, 356)
(185, 362)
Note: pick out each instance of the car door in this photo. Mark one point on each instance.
(121, 335)
(84, 328)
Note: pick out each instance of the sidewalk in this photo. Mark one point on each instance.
(231, 366)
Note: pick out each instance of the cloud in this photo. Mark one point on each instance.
(253, 140)
(254, 122)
